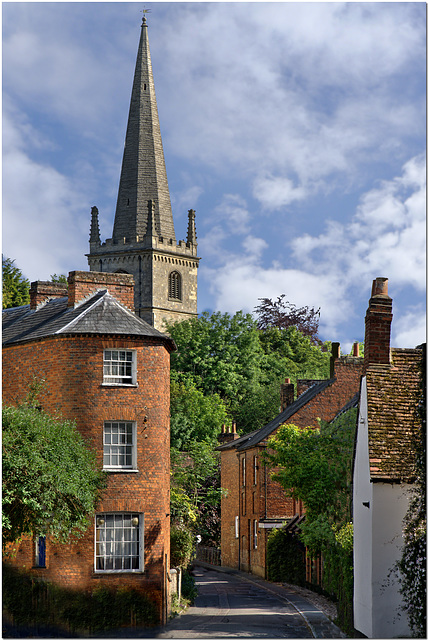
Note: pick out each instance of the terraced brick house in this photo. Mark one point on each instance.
(253, 503)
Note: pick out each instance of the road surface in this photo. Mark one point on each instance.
(228, 606)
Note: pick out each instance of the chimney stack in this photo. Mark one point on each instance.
(83, 284)
(227, 434)
(335, 353)
(378, 325)
(41, 291)
(287, 394)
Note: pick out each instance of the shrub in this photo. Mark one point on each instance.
(285, 558)
(29, 600)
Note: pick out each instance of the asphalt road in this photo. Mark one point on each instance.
(227, 606)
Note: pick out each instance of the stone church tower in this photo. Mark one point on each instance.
(143, 242)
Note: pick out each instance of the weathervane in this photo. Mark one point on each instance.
(145, 11)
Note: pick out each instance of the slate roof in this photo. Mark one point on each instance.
(256, 437)
(100, 314)
(393, 393)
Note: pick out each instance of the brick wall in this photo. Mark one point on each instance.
(72, 368)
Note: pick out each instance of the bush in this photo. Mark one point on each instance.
(29, 601)
(189, 590)
(182, 546)
(285, 558)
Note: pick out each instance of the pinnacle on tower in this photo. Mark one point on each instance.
(143, 176)
(191, 228)
(95, 228)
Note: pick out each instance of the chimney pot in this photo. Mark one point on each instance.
(356, 350)
(380, 287)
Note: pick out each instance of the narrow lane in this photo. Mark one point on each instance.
(227, 606)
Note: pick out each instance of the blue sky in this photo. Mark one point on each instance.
(295, 130)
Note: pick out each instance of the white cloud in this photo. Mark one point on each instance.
(276, 192)
(331, 268)
(409, 330)
(385, 237)
(42, 214)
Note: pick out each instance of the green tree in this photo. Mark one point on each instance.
(51, 482)
(219, 351)
(195, 490)
(61, 278)
(194, 416)
(227, 355)
(16, 288)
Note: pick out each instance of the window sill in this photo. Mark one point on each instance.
(100, 574)
(120, 384)
(115, 470)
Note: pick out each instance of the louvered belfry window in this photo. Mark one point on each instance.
(174, 286)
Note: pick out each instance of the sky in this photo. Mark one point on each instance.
(295, 130)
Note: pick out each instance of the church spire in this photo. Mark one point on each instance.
(143, 176)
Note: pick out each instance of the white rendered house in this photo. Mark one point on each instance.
(383, 472)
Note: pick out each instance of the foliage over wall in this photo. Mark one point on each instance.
(285, 558)
(314, 465)
(51, 481)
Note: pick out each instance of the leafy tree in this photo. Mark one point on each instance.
(61, 278)
(195, 490)
(283, 314)
(219, 351)
(228, 355)
(194, 417)
(16, 288)
(51, 482)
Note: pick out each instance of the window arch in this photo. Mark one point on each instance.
(174, 286)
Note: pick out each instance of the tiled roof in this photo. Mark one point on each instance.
(251, 439)
(100, 314)
(393, 393)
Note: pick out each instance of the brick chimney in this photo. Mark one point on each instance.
(287, 394)
(41, 291)
(378, 325)
(335, 354)
(83, 284)
(228, 435)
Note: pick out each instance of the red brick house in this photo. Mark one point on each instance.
(107, 370)
(254, 504)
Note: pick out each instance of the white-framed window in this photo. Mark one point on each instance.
(255, 464)
(243, 472)
(119, 367)
(119, 542)
(236, 526)
(255, 533)
(119, 445)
